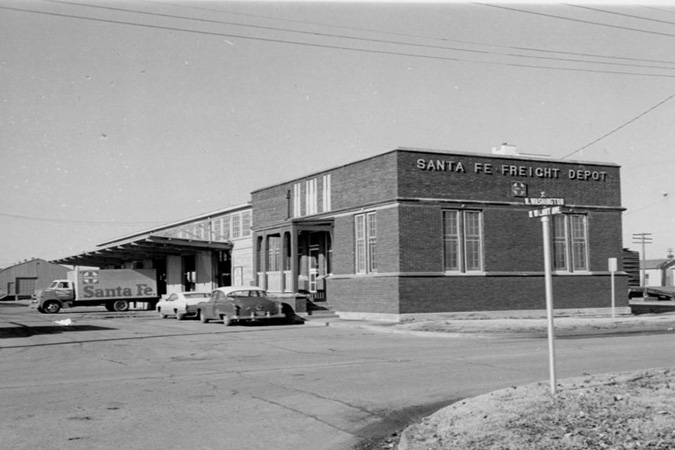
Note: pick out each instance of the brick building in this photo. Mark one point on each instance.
(416, 231)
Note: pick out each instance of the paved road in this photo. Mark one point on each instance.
(139, 382)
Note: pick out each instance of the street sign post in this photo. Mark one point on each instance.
(552, 206)
(613, 266)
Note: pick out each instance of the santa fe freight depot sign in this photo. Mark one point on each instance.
(510, 170)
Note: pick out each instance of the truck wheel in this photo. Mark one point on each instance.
(121, 305)
(51, 307)
(202, 317)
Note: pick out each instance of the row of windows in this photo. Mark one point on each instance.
(224, 228)
(308, 204)
(463, 242)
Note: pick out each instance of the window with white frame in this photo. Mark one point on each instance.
(326, 193)
(365, 234)
(297, 200)
(311, 196)
(236, 226)
(570, 242)
(217, 229)
(274, 253)
(226, 227)
(462, 241)
(246, 223)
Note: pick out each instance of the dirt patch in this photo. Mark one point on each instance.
(563, 325)
(632, 410)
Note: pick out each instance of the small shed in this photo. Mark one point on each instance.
(21, 280)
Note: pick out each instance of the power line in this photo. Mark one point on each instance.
(620, 14)
(88, 222)
(442, 39)
(588, 22)
(355, 38)
(337, 47)
(622, 126)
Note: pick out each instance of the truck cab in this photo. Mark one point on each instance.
(58, 294)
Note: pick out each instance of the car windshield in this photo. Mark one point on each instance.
(247, 293)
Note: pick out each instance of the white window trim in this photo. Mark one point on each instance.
(462, 244)
(569, 247)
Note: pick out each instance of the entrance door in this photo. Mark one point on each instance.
(313, 267)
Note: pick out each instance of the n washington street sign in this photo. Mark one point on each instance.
(543, 201)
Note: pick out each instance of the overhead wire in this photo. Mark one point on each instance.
(670, 97)
(632, 16)
(572, 19)
(330, 46)
(71, 221)
(342, 36)
(410, 35)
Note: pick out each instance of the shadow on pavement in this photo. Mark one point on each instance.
(22, 331)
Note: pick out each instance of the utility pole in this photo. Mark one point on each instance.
(643, 238)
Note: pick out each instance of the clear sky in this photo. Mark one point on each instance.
(123, 115)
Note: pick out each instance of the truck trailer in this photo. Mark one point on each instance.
(115, 289)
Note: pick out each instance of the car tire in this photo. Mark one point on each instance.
(202, 317)
(180, 316)
(289, 313)
(51, 307)
(227, 320)
(121, 305)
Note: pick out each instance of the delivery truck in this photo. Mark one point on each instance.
(115, 289)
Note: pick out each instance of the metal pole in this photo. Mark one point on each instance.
(545, 224)
(613, 295)
(644, 267)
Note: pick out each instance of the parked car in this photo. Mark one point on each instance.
(242, 303)
(178, 304)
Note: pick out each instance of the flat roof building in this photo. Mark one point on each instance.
(415, 231)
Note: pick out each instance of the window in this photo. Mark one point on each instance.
(365, 233)
(297, 200)
(226, 227)
(217, 227)
(274, 253)
(462, 241)
(310, 193)
(236, 226)
(570, 237)
(326, 197)
(246, 223)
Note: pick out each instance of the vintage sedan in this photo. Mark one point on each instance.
(179, 304)
(242, 303)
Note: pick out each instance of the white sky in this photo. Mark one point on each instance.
(108, 128)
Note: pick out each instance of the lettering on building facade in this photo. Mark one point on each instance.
(511, 170)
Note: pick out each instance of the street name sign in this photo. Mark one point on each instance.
(542, 201)
(545, 211)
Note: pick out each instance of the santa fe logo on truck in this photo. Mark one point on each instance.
(90, 279)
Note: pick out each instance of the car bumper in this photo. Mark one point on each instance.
(259, 316)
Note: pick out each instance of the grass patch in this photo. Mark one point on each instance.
(617, 411)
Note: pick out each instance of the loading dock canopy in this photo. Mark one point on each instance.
(145, 247)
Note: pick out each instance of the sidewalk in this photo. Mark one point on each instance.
(524, 326)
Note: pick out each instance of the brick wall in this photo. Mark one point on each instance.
(461, 294)
(421, 175)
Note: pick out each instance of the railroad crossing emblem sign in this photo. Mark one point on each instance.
(90, 277)
(518, 189)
